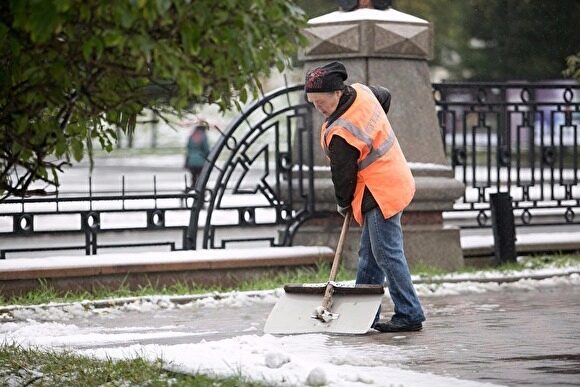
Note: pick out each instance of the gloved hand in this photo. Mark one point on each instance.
(342, 210)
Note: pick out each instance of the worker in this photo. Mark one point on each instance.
(372, 179)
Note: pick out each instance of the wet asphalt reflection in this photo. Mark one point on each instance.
(513, 337)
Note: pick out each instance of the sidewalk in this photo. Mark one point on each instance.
(515, 333)
(528, 241)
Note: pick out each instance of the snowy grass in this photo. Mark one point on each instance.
(45, 293)
(523, 263)
(21, 366)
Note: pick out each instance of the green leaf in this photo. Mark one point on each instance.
(87, 48)
(280, 65)
(145, 44)
(3, 33)
(42, 20)
(162, 6)
(127, 19)
(42, 172)
(54, 174)
(62, 5)
(60, 145)
(113, 38)
(243, 95)
(77, 149)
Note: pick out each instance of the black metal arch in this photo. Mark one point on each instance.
(257, 185)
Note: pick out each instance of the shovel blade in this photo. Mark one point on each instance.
(293, 313)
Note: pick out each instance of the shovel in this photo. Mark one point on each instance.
(326, 308)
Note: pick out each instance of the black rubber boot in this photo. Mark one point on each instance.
(390, 326)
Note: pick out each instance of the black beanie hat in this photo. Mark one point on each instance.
(329, 77)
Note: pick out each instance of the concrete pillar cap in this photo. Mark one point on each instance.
(389, 15)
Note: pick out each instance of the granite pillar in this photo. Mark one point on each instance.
(388, 48)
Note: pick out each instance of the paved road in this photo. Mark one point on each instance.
(514, 337)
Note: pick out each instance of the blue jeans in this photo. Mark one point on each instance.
(381, 255)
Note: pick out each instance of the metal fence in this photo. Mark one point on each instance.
(94, 221)
(256, 189)
(258, 183)
(519, 138)
(257, 186)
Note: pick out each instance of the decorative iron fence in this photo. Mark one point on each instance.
(103, 220)
(258, 184)
(519, 138)
(256, 188)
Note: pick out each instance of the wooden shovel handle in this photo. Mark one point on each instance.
(327, 300)
(340, 246)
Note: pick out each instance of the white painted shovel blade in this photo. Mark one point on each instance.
(292, 314)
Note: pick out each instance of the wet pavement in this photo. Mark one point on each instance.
(514, 337)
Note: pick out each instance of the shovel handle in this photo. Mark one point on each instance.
(329, 291)
(340, 246)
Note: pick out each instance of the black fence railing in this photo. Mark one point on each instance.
(94, 221)
(519, 138)
(257, 187)
(258, 184)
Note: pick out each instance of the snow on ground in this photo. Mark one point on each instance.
(473, 286)
(285, 361)
(278, 360)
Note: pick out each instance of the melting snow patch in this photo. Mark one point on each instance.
(276, 359)
(317, 377)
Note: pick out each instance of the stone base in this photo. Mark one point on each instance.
(433, 246)
(202, 268)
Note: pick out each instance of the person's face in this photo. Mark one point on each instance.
(325, 103)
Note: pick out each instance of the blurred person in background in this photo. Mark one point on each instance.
(197, 152)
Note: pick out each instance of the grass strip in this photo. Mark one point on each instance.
(531, 262)
(21, 366)
(45, 293)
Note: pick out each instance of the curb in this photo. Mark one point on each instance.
(500, 280)
(185, 299)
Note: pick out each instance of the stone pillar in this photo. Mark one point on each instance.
(389, 48)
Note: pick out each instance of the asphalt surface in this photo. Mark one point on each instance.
(514, 337)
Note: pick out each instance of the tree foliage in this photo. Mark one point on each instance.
(74, 71)
(500, 39)
(522, 39)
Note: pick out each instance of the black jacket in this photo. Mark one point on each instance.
(343, 156)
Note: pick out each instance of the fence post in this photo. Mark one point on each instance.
(504, 232)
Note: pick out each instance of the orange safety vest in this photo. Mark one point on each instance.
(381, 164)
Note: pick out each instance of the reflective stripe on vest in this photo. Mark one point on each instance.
(375, 154)
(362, 135)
